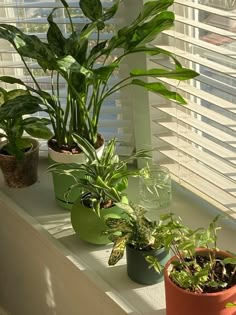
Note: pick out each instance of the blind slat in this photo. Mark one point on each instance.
(197, 139)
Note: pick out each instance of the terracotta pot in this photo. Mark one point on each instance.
(183, 302)
(61, 182)
(138, 268)
(21, 173)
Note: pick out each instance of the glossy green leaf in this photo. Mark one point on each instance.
(21, 105)
(97, 49)
(91, 9)
(16, 92)
(55, 38)
(152, 51)
(148, 31)
(11, 80)
(68, 63)
(38, 130)
(230, 260)
(162, 90)
(76, 47)
(103, 73)
(86, 147)
(111, 11)
(177, 74)
(152, 8)
(3, 96)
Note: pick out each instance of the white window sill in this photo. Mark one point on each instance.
(37, 207)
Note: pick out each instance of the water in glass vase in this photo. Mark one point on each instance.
(155, 187)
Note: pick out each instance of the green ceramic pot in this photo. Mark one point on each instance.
(62, 182)
(138, 268)
(89, 226)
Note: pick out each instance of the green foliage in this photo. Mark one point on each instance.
(196, 274)
(15, 105)
(231, 304)
(72, 59)
(102, 179)
(141, 233)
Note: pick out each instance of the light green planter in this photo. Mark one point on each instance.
(89, 226)
(63, 182)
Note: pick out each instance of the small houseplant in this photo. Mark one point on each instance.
(87, 71)
(146, 242)
(200, 278)
(101, 182)
(19, 154)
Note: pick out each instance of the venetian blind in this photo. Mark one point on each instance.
(198, 142)
(31, 17)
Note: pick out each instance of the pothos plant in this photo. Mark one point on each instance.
(137, 230)
(15, 107)
(101, 179)
(201, 273)
(87, 70)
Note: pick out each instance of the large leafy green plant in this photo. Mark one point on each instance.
(102, 179)
(88, 82)
(15, 108)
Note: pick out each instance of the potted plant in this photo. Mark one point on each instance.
(200, 278)
(87, 71)
(146, 242)
(18, 154)
(101, 182)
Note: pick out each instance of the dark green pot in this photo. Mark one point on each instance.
(138, 268)
(89, 226)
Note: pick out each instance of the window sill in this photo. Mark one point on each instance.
(37, 207)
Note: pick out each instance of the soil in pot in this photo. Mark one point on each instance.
(20, 173)
(183, 302)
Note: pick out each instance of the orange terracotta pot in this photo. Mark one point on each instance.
(182, 302)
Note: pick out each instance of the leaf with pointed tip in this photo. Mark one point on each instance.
(97, 48)
(160, 89)
(148, 31)
(152, 51)
(111, 11)
(54, 36)
(11, 80)
(92, 9)
(30, 120)
(3, 96)
(68, 63)
(21, 105)
(103, 73)
(177, 74)
(152, 8)
(16, 92)
(86, 147)
(29, 46)
(76, 47)
(38, 130)
(118, 250)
